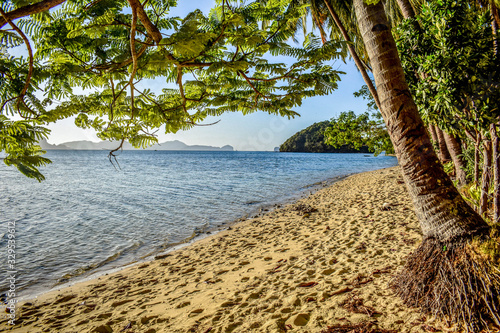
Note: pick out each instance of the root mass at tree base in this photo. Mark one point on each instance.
(453, 281)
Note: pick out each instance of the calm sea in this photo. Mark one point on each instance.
(88, 215)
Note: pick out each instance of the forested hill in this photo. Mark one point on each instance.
(311, 140)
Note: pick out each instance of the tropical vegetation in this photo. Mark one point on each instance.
(358, 131)
(210, 64)
(312, 140)
(434, 77)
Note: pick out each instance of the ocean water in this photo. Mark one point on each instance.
(88, 215)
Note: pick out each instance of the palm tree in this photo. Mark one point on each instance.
(354, 54)
(338, 15)
(406, 8)
(344, 27)
(444, 276)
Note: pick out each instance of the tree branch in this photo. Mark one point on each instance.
(251, 85)
(181, 88)
(28, 46)
(29, 10)
(146, 22)
(134, 59)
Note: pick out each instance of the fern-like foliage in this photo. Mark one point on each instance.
(221, 62)
(19, 141)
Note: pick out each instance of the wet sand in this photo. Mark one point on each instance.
(322, 261)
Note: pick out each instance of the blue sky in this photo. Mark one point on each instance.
(257, 131)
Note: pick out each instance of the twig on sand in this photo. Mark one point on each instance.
(367, 327)
(353, 303)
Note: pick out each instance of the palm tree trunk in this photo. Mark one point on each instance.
(440, 276)
(444, 155)
(442, 212)
(455, 150)
(433, 134)
(496, 173)
(406, 9)
(494, 27)
(354, 54)
(495, 22)
(495, 15)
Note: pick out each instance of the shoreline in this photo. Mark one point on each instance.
(115, 266)
(299, 268)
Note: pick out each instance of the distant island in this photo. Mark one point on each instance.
(109, 145)
(311, 140)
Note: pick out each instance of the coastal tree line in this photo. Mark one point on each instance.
(434, 66)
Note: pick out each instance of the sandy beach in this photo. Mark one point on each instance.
(323, 261)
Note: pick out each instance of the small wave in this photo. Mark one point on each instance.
(85, 269)
(255, 202)
(197, 231)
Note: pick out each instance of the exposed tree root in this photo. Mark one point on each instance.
(367, 327)
(453, 281)
(355, 304)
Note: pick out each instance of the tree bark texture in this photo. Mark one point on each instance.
(432, 131)
(442, 212)
(455, 150)
(486, 178)
(495, 22)
(494, 27)
(496, 16)
(495, 147)
(477, 151)
(444, 155)
(353, 53)
(406, 9)
(146, 22)
(29, 10)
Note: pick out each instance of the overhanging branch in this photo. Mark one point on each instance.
(29, 10)
(146, 22)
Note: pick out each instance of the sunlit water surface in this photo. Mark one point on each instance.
(87, 215)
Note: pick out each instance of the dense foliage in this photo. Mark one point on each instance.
(312, 140)
(205, 64)
(217, 63)
(452, 66)
(356, 131)
(453, 69)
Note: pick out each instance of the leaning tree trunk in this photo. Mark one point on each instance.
(495, 22)
(496, 173)
(475, 139)
(485, 181)
(455, 150)
(444, 155)
(443, 276)
(442, 212)
(353, 53)
(406, 9)
(432, 132)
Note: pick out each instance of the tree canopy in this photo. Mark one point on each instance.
(356, 131)
(456, 67)
(226, 61)
(313, 140)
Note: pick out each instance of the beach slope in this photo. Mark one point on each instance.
(322, 261)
